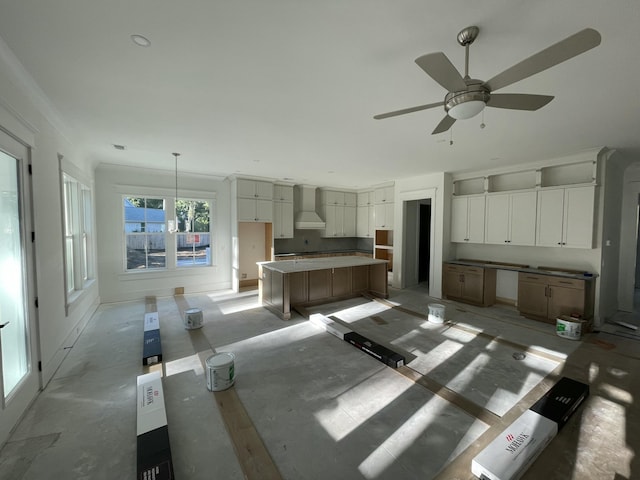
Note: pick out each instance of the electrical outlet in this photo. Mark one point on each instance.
(244, 275)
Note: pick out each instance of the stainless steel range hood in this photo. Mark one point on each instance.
(306, 217)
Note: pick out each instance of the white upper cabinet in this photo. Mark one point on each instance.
(339, 209)
(253, 210)
(255, 201)
(365, 221)
(565, 217)
(282, 219)
(283, 193)
(383, 216)
(384, 195)
(255, 189)
(282, 211)
(468, 219)
(365, 198)
(511, 218)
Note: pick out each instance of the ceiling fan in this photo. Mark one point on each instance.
(468, 96)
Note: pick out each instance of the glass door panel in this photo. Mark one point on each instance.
(14, 334)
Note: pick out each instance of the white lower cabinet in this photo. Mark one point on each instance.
(565, 217)
(511, 218)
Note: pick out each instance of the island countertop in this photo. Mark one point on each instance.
(322, 263)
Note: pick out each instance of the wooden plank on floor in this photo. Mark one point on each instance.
(254, 459)
(458, 400)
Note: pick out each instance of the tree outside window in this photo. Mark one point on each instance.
(193, 241)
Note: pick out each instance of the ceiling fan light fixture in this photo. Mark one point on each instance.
(464, 105)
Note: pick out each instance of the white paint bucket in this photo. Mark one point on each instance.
(436, 313)
(192, 318)
(220, 371)
(567, 327)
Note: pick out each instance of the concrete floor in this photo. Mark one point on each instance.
(326, 410)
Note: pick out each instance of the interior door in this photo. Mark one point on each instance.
(19, 377)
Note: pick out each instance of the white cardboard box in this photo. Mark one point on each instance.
(334, 328)
(151, 410)
(511, 453)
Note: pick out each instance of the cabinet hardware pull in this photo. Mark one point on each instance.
(559, 243)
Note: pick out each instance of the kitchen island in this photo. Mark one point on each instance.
(287, 283)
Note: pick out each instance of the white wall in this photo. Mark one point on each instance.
(112, 182)
(25, 114)
(628, 231)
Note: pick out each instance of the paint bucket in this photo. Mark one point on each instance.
(568, 327)
(192, 318)
(220, 371)
(436, 313)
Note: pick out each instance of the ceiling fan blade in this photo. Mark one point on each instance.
(518, 101)
(440, 68)
(407, 110)
(557, 53)
(444, 125)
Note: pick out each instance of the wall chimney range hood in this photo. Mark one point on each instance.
(306, 217)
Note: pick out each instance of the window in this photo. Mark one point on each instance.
(193, 241)
(144, 230)
(78, 235)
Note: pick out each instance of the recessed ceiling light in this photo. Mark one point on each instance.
(119, 147)
(140, 40)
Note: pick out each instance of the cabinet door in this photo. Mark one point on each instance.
(532, 294)
(340, 281)
(264, 211)
(384, 195)
(451, 282)
(476, 214)
(339, 231)
(578, 217)
(362, 221)
(522, 218)
(384, 216)
(246, 188)
(566, 296)
(550, 213)
(264, 190)
(364, 199)
(283, 193)
(247, 210)
(283, 220)
(350, 199)
(459, 213)
(349, 222)
(319, 284)
(473, 285)
(330, 221)
(497, 219)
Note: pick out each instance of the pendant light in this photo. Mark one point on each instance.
(172, 225)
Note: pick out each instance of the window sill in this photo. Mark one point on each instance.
(74, 299)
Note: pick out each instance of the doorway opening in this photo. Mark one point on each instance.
(416, 265)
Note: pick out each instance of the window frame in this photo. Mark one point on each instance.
(78, 239)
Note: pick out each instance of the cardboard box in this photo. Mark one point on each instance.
(379, 352)
(562, 400)
(154, 460)
(511, 453)
(334, 328)
(151, 348)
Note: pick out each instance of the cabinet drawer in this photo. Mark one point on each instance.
(533, 278)
(566, 282)
(477, 270)
(453, 268)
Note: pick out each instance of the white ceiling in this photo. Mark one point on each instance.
(288, 88)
